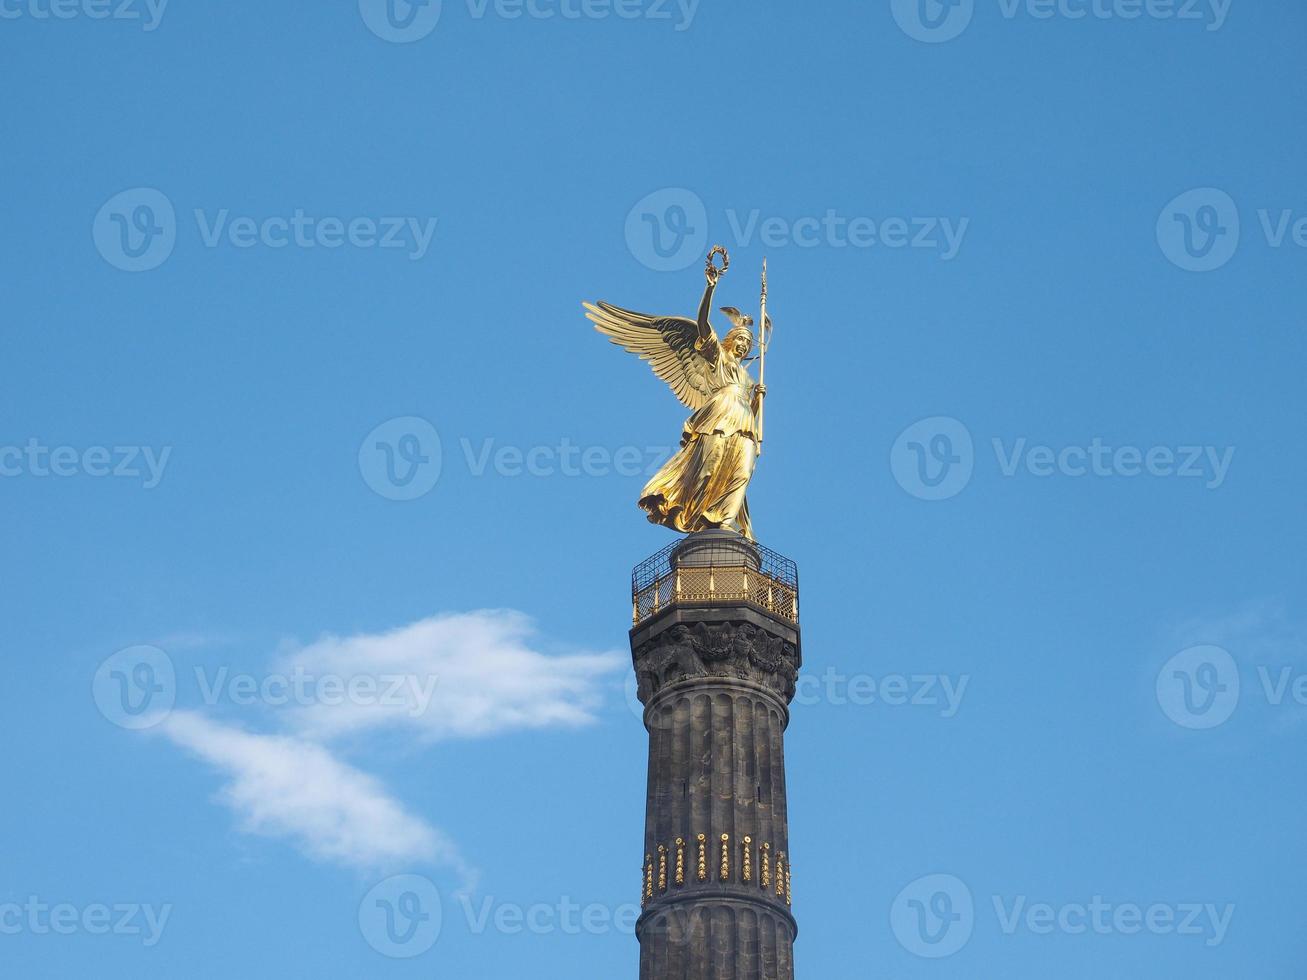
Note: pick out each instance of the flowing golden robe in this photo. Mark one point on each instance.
(703, 485)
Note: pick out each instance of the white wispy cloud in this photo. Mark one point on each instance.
(281, 786)
(460, 675)
(1256, 631)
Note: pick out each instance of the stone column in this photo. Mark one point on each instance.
(716, 679)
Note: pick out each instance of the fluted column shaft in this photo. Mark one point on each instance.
(716, 684)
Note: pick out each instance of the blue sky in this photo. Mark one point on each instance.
(1032, 437)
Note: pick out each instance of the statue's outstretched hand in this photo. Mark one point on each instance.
(712, 271)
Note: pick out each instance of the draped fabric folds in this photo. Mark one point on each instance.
(703, 485)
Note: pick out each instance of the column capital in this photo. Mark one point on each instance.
(727, 644)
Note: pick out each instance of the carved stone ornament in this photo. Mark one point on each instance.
(733, 650)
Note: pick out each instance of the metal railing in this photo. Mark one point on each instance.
(719, 576)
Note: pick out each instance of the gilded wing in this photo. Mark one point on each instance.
(668, 343)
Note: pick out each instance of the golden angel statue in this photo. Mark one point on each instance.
(703, 485)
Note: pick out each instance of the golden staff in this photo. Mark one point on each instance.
(764, 336)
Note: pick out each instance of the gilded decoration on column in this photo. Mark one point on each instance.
(765, 579)
(658, 876)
